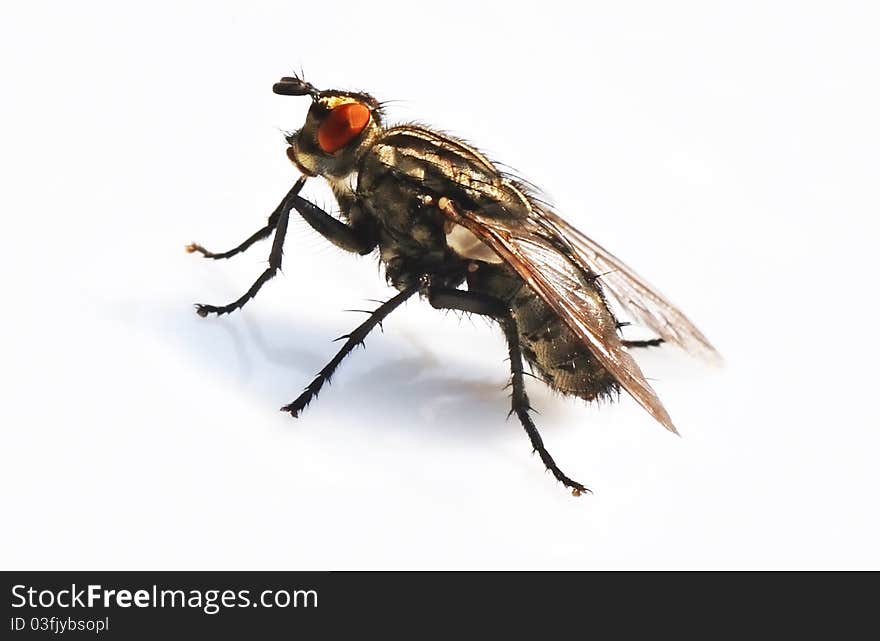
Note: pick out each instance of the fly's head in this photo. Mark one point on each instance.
(340, 127)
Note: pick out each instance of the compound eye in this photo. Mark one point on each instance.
(342, 126)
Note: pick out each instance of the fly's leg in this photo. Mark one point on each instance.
(354, 238)
(354, 339)
(274, 265)
(262, 234)
(358, 238)
(283, 212)
(477, 303)
(651, 342)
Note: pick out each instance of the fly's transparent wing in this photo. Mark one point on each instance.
(646, 305)
(559, 283)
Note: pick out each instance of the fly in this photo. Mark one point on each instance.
(443, 216)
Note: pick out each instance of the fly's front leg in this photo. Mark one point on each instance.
(358, 237)
(274, 261)
(477, 303)
(280, 227)
(354, 238)
(259, 235)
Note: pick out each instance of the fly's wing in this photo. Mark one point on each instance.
(645, 304)
(537, 258)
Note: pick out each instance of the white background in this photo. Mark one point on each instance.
(729, 151)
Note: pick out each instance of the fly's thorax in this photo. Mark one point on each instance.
(339, 129)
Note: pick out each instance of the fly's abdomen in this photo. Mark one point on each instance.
(555, 353)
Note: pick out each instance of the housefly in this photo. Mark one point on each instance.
(454, 229)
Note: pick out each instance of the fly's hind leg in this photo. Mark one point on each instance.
(477, 303)
(354, 339)
(651, 342)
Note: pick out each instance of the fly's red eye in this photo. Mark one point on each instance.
(342, 125)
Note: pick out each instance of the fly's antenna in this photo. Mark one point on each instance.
(294, 86)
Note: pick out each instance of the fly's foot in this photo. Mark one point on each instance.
(204, 310)
(194, 247)
(576, 488)
(296, 407)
